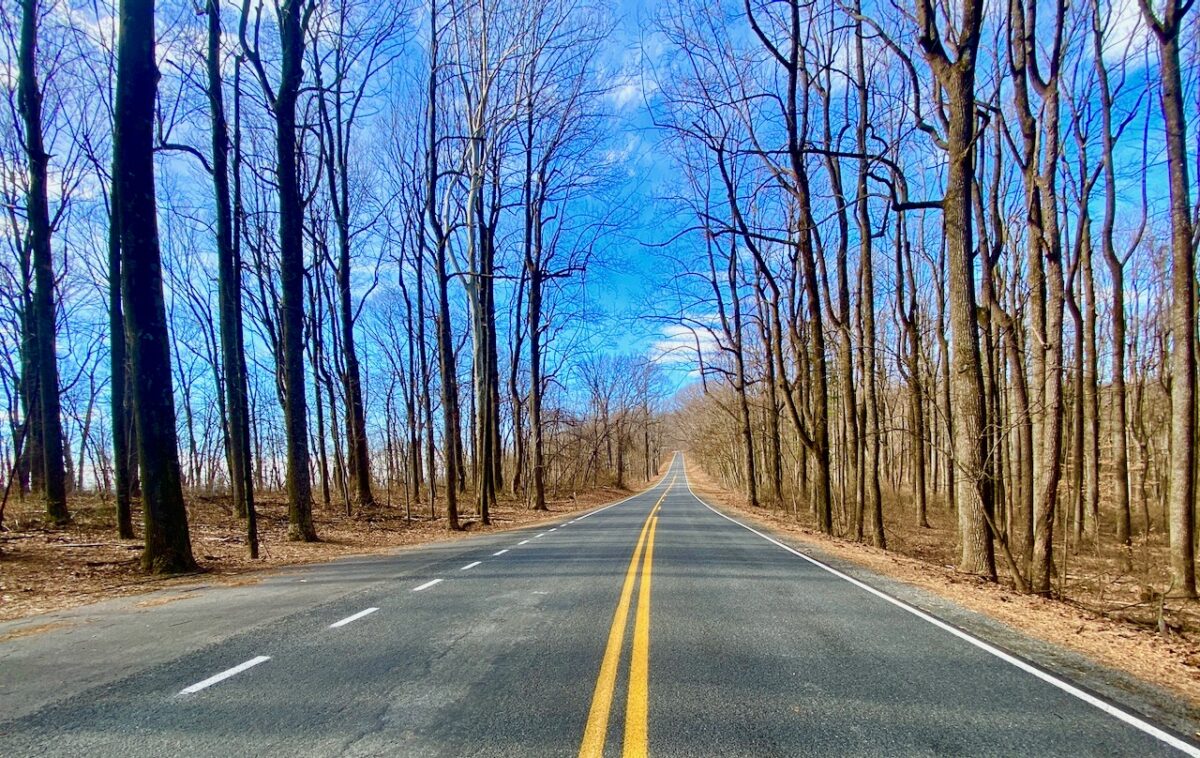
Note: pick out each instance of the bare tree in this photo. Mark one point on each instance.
(168, 548)
(1167, 26)
(293, 17)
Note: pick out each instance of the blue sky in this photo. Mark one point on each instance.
(627, 285)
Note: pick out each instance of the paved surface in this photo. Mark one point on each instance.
(655, 625)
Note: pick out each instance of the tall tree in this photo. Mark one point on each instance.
(954, 69)
(293, 16)
(167, 545)
(1116, 271)
(229, 283)
(873, 500)
(45, 327)
(1039, 161)
(1167, 25)
(438, 241)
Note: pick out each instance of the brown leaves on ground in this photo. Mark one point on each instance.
(1110, 616)
(44, 569)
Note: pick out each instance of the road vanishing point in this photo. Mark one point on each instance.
(652, 626)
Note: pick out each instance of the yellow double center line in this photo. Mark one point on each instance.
(636, 710)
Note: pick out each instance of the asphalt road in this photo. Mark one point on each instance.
(655, 625)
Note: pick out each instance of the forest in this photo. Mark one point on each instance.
(940, 277)
(921, 266)
(335, 253)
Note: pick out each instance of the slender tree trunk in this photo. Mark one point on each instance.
(535, 384)
(873, 500)
(229, 276)
(335, 139)
(38, 239)
(1181, 495)
(1116, 269)
(317, 353)
(426, 396)
(906, 308)
(451, 440)
(119, 378)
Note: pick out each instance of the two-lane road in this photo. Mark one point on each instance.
(656, 625)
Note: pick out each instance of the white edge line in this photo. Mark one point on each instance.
(500, 552)
(426, 585)
(225, 674)
(1067, 687)
(470, 565)
(354, 617)
(522, 542)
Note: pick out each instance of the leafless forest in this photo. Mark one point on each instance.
(930, 262)
(942, 260)
(334, 250)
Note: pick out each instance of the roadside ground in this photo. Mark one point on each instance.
(45, 569)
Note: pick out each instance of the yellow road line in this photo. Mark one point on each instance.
(597, 723)
(636, 705)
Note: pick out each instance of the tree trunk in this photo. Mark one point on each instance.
(38, 238)
(118, 384)
(167, 545)
(1116, 268)
(973, 493)
(535, 384)
(1181, 495)
(873, 499)
(229, 284)
(291, 275)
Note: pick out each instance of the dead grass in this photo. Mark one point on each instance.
(1107, 617)
(44, 569)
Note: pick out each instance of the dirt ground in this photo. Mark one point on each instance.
(44, 569)
(1099, 623)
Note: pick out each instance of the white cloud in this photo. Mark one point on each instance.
(1126, 34)
(682, 345)
(630, 89)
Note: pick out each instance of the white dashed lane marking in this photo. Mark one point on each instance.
(355, 617)
(225, 675)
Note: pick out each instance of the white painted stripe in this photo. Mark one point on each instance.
(225, 674)
(555, 529)
(355, 617)
(522, 542)
(543, 534)
(501, 552)
(470, 565)
(426, 585)
(1103, 705)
